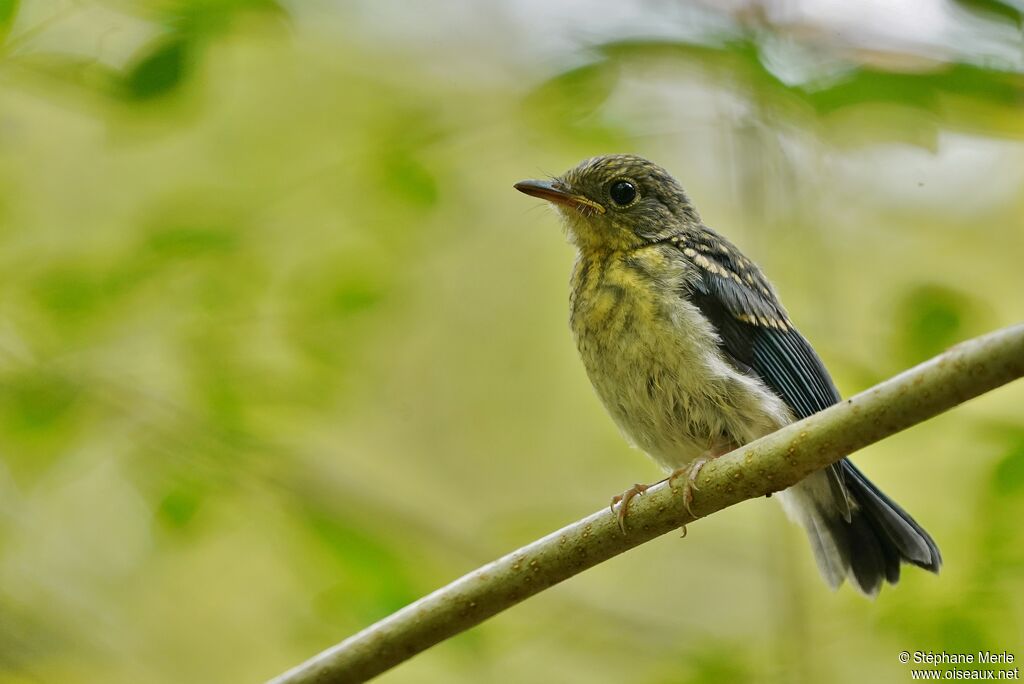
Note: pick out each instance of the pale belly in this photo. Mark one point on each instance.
(655, 364)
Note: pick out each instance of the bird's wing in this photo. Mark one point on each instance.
(756, 334)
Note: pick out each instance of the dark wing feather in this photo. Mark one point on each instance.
(756, 333)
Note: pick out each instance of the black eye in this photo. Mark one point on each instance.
(623, 192)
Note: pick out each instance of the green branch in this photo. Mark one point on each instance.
(759, 468)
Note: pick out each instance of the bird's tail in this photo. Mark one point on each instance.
(864, 538)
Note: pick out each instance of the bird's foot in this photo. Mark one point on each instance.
(623, 500)
(689, 484)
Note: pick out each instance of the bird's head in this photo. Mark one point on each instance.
(616, 202)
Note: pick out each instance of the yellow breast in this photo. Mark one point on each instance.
(655, 361)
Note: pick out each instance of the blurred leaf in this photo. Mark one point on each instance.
(959, 631)
(994, 8)
(570, 101)
(998, 560)
(737, 58)
(180, 505)
(8, 11)
(354, 296)
(580, 91)
(191, 223)
(191, 241)
(410, 178)
(400, 157)
(75, 293)
(333, 303)
(921, 91)
(51, 69)
(932, 318)
(712, 664)
(1008, 478)
(739, 61)
(374, 579)
(69, 291)
(28, 637)
(208, 17)
(38, 411)
(161, 69)
(221, 381)
(35, 401)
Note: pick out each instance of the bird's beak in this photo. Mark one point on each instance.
(553, 191)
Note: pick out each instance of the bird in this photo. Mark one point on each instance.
(693, 355)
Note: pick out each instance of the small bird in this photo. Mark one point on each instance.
(693, 355)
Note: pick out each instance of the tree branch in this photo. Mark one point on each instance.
(768, 465)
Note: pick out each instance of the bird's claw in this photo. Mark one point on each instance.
(691, 472)
(689, 485)
(623, 500)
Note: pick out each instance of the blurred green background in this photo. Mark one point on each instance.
(281, 350)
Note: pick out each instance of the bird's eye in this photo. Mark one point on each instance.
(623, 192)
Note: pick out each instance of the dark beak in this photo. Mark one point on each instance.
(553, 191)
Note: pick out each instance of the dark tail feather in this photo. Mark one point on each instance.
(891, 523)
(870, 546)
